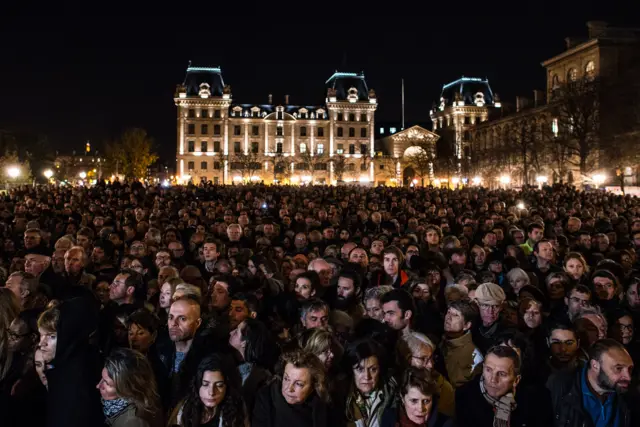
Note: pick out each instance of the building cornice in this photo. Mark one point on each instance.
(569, 52)
(202, 102)
(352, 106)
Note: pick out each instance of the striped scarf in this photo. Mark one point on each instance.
(502, 408)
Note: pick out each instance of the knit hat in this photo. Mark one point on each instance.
(490, 293)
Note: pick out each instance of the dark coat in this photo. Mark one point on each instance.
(533, 407)
(271, 410)
(130, 418)
(566, 397)
(73, 400)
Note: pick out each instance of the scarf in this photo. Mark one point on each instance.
(110, 408)
(502, 407)
(245, 371)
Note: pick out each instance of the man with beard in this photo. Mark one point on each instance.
(347, 295)
(564, 347)
(593, 395)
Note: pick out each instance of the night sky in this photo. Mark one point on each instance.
(76, 79)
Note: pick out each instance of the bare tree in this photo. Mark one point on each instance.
(249, 163)
(389, 169)
(339, 163)
(421, 159)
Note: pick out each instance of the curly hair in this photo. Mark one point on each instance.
(302, 359)
(232, 407)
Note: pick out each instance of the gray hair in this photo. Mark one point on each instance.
(376, 292)
(518, 273)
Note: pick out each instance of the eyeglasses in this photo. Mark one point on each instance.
(489, 307)
(424, 360)
(623, 327)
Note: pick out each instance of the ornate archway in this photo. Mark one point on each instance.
(407, 176)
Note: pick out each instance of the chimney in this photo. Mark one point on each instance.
(597, 28)
(538, 97)
(286, 99)
(270, 99)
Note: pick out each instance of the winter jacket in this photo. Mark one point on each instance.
(462, 359)
(566, 397)
(130, 418)
(533, 407)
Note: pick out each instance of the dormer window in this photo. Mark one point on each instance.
(353, 94)
(479, 99)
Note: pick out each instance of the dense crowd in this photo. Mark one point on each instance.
(264, 306)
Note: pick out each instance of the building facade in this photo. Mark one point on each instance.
(222, 141)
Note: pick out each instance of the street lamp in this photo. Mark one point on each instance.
(48, 173)
(598, 179)
(13, 171)
(82, 174)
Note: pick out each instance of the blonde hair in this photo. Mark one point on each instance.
(301, 359)
(9, 310)
(315, 341)
(188, 290)
(410, 343)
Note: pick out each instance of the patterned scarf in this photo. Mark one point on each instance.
(113, 407)
(502, 407)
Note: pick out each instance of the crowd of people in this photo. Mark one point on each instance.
(318, 306)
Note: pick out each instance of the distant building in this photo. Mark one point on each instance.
(222, 141)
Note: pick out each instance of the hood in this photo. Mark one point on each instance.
(78, 322)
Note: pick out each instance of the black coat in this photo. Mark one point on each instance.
(533, 407)
(566, 396)
(271, 410)
(73, 400)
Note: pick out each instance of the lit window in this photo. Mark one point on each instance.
(303, 148)
(340, 149)
(590, 69)
(320, 148)
(554, 127)
(381, 130)
(572, 75)
(392, 130)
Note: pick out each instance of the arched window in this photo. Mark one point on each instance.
(590, 70)
(572, 75)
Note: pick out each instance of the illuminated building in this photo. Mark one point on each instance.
(223, 141)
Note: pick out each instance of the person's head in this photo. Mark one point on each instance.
(163, 258)
(417, 349)
(372, 303)
(417, 393)
(166, 292)
(605, 285)
(32, 238)
(127, 374)
(23, 285)
(543, 251)
(75, 260)
(348, 284)
(223, 287)
(563, 343)
(324, 270)
(303, 375)
(40, 364)
(501, 371)
(252, 339)
(573, 225)
(243, 306)
(167, 272)
(490, 298)
(23, 332)
(184, 319)
(142, 330)
(35, 263)
(556, 283)
(359, 256)
(84, 237)
(575, 265)
(432, 235)
(127, 287)
(211, 250)
(306, 285)
(518, 279)
(48, 329)
(398, 308)
(591, 326)
(577, 299)
(368, 363)
(321, 343)
(610, 367)
(535, 232)
(530, 313)
(459, 318)
(102, 252)
(392, 259)
(314, 314)
(621, 327)
(632, 293)
(420, 290)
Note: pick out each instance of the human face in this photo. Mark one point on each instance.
(359, 256)
(19, 338)
(532, 316)
(374, 309)
(433, 238)
(31, 240)
(220, 298)
(165, 296)
(489, 313)
(593, 327)
(140, 338)
(454, 323)
(164, 274)
(74, 261)
(210, 252)
(391, 264)
(303, 288)
(574, 268)
(234, 233)
(213, 389)
(479, 256)
(564, 345)
(35, 264)
(614, 371)
(118, 290)
(422, 292)
(604, 287)
(236, 340)
(545, 252)
(316, 319)
(555, 289)
(296, 384)
(138, 249)
(14, 283)
(48, 344)
(326, 357)
(422, 357)
(517, 284)
(622, 331)
(102, 292)
(107, 386)
(346, 290)
(417, 405)
(576, 302)
(238, 313)
(40, 364)
(394, 317)
(377, 247)
(184, 320)
(633, 298)
(163, 259)
(366, 375)
(536, 235)
(499, 376)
